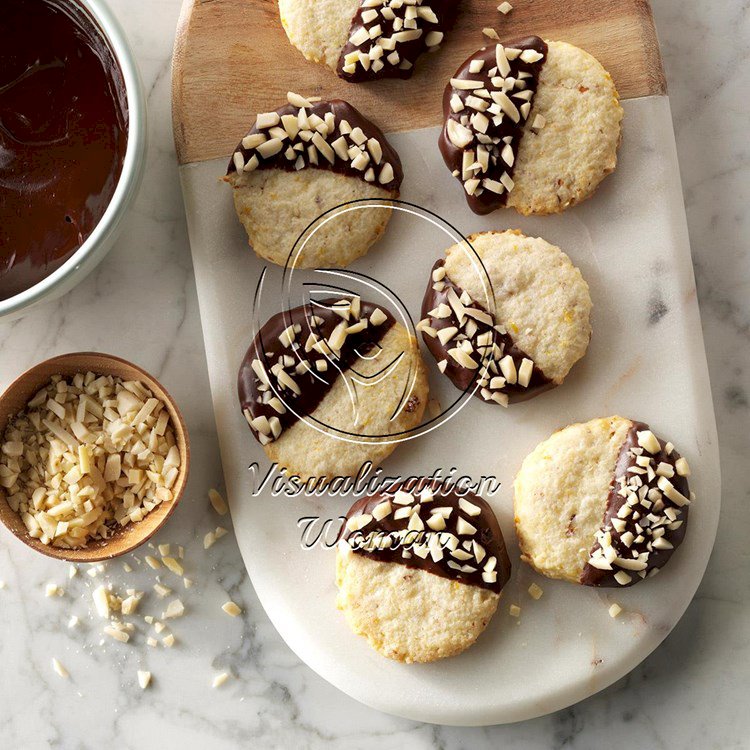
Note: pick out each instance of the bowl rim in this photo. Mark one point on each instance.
(132, 167)
(101, 547)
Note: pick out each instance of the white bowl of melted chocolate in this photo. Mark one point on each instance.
(72, 144)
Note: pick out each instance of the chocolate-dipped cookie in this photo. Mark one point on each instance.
(330, 385)
(362, 40)
(531, 125)
(306, 158)
(604, 503)
(512, 328)
(419, 569)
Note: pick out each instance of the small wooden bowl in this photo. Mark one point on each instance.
(124, 539)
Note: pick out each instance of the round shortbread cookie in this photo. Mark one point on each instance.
(603, 503)
(303, 160)
(530, 125)
(331, 385)
(419, 570)
(511, 319)
(363, 40)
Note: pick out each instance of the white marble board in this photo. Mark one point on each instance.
(646, 361)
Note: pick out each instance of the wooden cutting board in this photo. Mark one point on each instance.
(232, 59)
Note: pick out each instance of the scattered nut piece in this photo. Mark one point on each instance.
(535, 591)
(220, 679)
(52, 589)
(175, 608)
(615, 610)
(514, 610)
(144, 679)
(60, 669)
(218, 502)
(231, 609)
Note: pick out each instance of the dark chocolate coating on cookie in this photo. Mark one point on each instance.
(408, 50)
(312, 383)
(342, 112)
(500, 127)
(462, 377)
(464, 568)
(650, 518)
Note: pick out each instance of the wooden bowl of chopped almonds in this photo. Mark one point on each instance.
(94, 457)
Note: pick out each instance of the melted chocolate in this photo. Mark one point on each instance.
(398, 57)
(461, 566)
(319, 320)
(63, 136)
(462, 377)
(503, 129)
(593, 576)
(347, 122)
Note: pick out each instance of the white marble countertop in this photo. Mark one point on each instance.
(691, 693)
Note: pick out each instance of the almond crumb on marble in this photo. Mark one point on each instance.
(101, 601)
(514, 610)
(162, 590)
(171, 564)
(220, 679)
(114, 632)
(231, 609)
(164, 549)
(535, 591)
(209, 539)
(615, 610)
(152, 562)
(175, 608)
(144, 679)
(60, 669)
(152, 642)
(52, 589)
(218, 503)
(168, 640)
(72, 571)
(73, 621)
